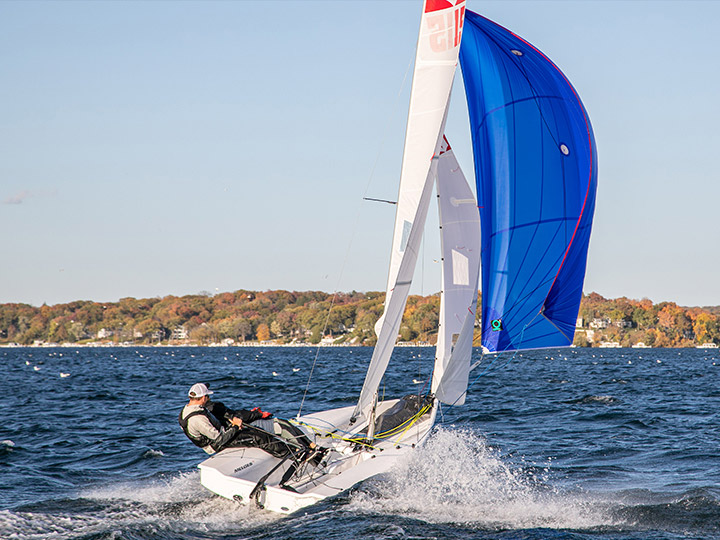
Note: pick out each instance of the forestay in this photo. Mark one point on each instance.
(536, 172)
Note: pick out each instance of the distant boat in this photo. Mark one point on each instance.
(641, 345)
(707, 346)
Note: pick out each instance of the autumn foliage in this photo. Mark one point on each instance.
(629, 322)
(310, 316)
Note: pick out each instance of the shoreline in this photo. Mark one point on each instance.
(278, 345)
(176, 345)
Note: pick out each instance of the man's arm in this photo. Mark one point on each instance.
(225, 437)
(200, 425)
(248, 416)
(226, 414)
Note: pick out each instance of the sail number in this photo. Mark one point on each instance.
(446, 26)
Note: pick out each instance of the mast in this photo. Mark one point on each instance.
(436, 58)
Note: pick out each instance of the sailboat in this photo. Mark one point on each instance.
(536, 175)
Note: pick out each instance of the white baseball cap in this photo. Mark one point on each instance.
(199, 390)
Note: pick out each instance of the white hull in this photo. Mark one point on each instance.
(235, 472)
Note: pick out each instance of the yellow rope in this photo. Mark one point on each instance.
(410, 422)
(326, 433)
(397, 430)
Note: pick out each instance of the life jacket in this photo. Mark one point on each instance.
(201, 441)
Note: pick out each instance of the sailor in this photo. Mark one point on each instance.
(213, 427)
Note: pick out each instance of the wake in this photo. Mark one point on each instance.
(171, 508)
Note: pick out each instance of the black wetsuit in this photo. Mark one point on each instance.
(230, 436)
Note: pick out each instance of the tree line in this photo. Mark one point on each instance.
(310, 316)
(629, 322)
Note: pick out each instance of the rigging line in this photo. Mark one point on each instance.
(422, 267)
(327, 319)
(385, 131)
(352, 237)
(429, 378)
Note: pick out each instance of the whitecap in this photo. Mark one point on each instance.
(598, 399)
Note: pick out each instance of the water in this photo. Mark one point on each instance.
(573, 444)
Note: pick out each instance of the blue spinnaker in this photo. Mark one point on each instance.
(536, 173)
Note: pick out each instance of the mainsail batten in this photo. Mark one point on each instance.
(536, 172)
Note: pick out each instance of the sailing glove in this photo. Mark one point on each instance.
(263, 414)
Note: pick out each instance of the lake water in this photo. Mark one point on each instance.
(573, 444)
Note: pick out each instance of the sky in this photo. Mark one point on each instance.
(157, 148)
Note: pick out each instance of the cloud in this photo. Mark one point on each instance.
(19, 198)
(25, 194)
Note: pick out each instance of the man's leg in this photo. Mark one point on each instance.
(288, 431)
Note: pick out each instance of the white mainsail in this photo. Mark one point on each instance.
(435, 62)
(460, 244)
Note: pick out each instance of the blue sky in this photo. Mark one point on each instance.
(155, 148)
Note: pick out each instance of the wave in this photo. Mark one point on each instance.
(456, 478)
(696, 510)
(163, 508)
(7, 446)
(605, 400)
